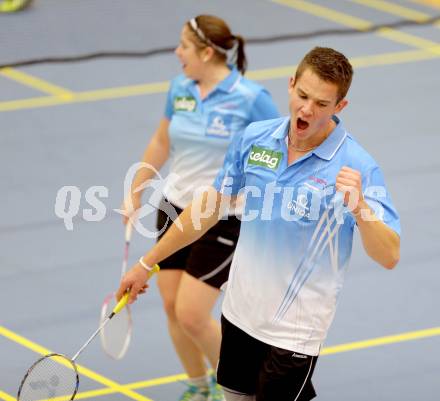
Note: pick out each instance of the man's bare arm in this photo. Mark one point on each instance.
(194, 221)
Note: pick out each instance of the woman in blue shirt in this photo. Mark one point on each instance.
(207, 106)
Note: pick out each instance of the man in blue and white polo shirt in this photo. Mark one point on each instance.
(306, 183)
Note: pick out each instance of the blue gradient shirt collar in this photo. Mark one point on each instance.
(227, 85)
(329, 147)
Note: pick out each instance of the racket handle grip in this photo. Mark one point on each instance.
(121, 304)
(123, 301)
(155, 269)
(128, 231)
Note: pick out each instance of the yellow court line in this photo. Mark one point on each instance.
(133, 386)
(398, 10)
(375, 60)
(408, 39)
(331, 350)
(430, 3)
(87, 96)
(405, 56)
(408, 56)
(357, 23)
(116, 387)
(327, 13)
(394, 9)
(36, 83)
(34, 102)
(125, 91)
(375, 342)
(6, 397)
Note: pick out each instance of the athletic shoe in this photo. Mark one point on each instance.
(194, 393)
(216, 392)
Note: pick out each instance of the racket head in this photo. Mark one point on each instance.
(50, 377)
(116, 335)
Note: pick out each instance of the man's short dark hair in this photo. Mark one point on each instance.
(330, 66)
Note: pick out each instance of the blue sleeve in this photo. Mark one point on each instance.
(378, 198)
(230, 178)
(263, 107)
(169, 108)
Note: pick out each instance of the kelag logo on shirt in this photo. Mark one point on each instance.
(184, 103)
(265, 157)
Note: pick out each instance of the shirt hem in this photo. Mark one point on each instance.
(312, 350)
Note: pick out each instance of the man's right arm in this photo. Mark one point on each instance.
(194, 221)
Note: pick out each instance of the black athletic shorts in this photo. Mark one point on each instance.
(249, 366)
(209, 258)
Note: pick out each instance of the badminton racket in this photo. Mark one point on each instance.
(56, 375)
(116, 337)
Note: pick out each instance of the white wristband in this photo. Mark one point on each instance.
(144, 265)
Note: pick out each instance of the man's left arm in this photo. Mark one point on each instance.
(380, 241)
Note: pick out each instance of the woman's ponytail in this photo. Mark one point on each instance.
(241, 55)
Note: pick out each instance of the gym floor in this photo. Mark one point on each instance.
(84, 124)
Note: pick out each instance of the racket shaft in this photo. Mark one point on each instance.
(116, 309)
(91, 338)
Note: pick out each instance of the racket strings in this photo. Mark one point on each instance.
(50, 377)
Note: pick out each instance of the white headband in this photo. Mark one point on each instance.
(203, 38)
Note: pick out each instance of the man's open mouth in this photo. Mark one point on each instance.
(301, 124)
